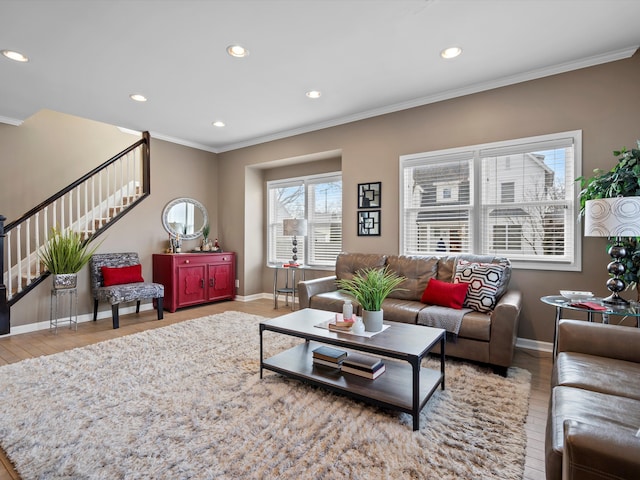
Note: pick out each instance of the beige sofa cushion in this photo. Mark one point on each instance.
(599, 374)
(347, 264)
(417, 270)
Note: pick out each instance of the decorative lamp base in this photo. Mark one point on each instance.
(615, 299)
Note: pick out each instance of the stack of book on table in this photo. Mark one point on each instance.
(363, 365)
(328, 356)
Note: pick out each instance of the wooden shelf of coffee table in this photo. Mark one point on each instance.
(391, 389)
(404, 386)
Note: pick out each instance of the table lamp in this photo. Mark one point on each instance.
(294, 227)
(614, 218)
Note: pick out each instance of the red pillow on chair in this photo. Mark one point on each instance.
(445, 294)
(120, 275)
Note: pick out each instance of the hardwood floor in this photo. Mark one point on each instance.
(19, 347)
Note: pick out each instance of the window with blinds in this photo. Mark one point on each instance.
(515, 199)
(318, 199)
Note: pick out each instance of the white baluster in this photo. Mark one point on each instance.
(93, 202)
(70, 194)
(46, 224)
(77, 222)
(86, 210)
(37, 243)
(28, 245)
(54, 209)
(62, 213)
(19, 256)
(99, 197)
(9, 269)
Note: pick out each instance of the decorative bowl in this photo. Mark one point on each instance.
(575, 296)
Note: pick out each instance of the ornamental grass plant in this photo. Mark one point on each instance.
(370, 286)
(66, 252)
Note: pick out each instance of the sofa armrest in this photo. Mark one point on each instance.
(602, 340)
(599, 452)
(309, 288)
(504, 328)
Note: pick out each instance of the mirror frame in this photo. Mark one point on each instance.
(173, 203)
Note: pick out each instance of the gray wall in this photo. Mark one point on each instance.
(602, 101)
(51, 150)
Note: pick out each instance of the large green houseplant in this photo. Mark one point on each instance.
(64, 255)
(623, 180)
(370, 286)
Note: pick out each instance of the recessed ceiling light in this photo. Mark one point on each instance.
(451, 52)
(314, 94)
(218, 123)
(138, 97)
(237, 51)
(17, 56)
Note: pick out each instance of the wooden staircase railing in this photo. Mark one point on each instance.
(89, 205)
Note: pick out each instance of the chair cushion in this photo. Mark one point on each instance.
(121, 275)
(445, 294)
(129, 292)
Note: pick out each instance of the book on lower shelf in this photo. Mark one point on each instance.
(364, 373)
(363, 365)
(329, 354)
(362, 361)
(325, 363)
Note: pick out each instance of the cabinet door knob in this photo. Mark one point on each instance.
(202, 283)
(186, 261)
(211, 282)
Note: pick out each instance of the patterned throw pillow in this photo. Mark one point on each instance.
(484, 280)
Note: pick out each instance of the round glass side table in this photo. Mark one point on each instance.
(561, 303)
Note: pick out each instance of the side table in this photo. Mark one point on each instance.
(56, 294)
(561, 303)
(289, 288)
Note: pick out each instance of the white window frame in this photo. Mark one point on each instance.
(305, 246)
(572, 261)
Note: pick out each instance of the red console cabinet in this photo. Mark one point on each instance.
(195, 278)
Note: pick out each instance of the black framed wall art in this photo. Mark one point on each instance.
(369, 195)
(369, 223)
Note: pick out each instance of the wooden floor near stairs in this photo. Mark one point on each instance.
(19, 347)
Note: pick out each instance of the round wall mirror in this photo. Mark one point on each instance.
(184, 216)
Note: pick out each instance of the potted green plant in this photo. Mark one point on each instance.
(64, 255)
(623, 180)
(370, 287)
(206, 245)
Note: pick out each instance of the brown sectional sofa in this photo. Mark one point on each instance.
(483, 337)
(594, 410)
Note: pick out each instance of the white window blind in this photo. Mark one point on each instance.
(515, 199)
(316, 198)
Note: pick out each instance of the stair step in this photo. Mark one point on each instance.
(100, 222)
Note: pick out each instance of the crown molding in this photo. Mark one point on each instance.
(418, 102)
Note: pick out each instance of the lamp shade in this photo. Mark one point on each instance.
(294, 227)
(612, 217)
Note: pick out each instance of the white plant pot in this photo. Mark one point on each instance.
(372, 320)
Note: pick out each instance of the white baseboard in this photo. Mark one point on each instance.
(529, 344)
(525, 343)
(85, 317)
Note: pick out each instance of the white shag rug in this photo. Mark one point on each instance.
(186, 402)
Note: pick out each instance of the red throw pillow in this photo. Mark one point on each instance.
(445, 294)
(120, 275)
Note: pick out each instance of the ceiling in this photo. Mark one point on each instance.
(366, 57)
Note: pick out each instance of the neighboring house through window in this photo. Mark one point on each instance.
(515, 198)
(318, 199)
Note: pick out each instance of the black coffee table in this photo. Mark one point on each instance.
(405, 386)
